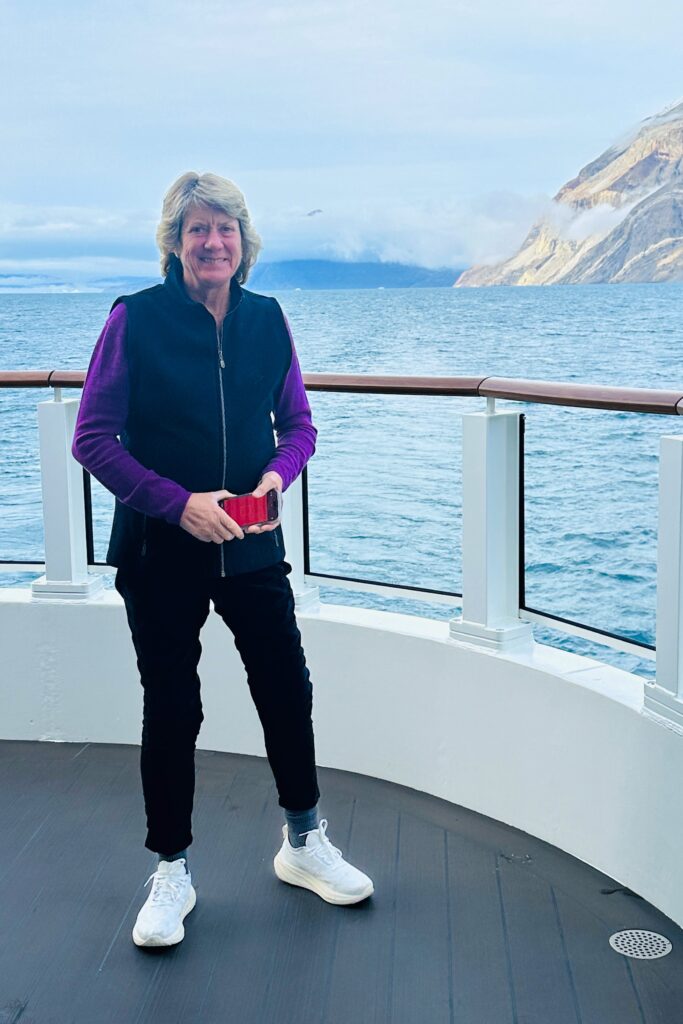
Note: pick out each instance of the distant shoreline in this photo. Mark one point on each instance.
(281, 275)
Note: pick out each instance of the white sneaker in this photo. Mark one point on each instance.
(319, 866)
(160, 921)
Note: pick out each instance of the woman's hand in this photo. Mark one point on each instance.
(205, 519)
(268, 481)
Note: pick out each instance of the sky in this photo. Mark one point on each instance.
(431, 132)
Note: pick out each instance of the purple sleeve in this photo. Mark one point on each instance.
(293, 425)
(102, 418)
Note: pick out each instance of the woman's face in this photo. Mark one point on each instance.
(210, 248)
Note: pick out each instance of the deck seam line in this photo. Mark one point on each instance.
(392, 958)
(449, 929)
(629, 971)
(118, 930)
(506, 937)
(572, 985)
(28, 842)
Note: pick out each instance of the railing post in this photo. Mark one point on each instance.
(490, 548)
(665, 695)
(306, 598)
(66, 562)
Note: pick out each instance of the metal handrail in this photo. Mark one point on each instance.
(564, 393)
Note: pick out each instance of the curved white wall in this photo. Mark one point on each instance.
(549, 742)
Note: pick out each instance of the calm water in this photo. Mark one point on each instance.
(385, 483)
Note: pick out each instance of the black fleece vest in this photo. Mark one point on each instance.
(204, 425)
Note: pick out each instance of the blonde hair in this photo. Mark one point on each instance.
(192, 189)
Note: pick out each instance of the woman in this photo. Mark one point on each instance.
(187, 374)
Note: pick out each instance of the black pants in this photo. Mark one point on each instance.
(166, 611)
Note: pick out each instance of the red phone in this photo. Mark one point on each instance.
(247, 510)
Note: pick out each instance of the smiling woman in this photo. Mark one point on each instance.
(192, 375)
(209, 193)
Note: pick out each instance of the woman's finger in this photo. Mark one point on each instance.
(229, 527)
(263, 529)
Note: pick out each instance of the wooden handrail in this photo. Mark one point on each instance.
(586, 396)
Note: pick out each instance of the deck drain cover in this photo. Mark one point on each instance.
(640, 944)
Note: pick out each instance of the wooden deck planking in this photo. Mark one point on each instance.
(48, 782)
(541, 980)
(429, 946)
(660, 996)
(68, 896)
(360, 980)
(253, 947)
(600, 975)
(481, 983)
(421, 972)
(229, 808)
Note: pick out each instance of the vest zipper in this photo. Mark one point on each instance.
(221, 366)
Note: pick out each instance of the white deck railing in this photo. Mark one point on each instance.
(491, 615)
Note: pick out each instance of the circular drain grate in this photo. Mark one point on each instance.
(640, 944)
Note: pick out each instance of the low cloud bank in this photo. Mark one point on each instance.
(429, 234)
(577, 226)
(85, 243)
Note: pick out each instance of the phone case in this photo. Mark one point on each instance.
(247, 510)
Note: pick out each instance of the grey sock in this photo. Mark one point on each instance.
(299, 822)
(175, 856)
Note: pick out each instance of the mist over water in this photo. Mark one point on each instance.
(385, 483)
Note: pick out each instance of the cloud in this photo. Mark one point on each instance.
(74, 237)
(40, 222)
(577, 226)
(429, 233)
(102, 101)
(87, 243)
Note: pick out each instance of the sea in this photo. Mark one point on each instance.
(385, 484)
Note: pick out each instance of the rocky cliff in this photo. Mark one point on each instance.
(620, 219)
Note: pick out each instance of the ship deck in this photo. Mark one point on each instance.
(471, 922)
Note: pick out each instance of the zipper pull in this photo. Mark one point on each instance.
(222, 362)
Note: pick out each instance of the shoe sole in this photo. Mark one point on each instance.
(178, 935)
(293, 876)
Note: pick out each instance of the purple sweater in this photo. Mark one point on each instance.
(104, 410)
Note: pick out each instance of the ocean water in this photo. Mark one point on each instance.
(385, 483)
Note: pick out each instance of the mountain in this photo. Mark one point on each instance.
(619, 220)
(307, 274)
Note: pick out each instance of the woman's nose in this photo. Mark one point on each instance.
(213, 239)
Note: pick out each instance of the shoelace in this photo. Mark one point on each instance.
(166, 889)
(326, 851)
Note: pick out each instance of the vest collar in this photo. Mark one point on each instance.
(175, 286)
